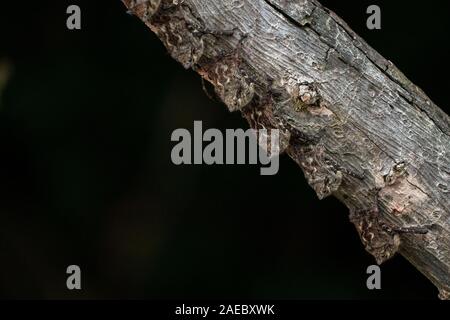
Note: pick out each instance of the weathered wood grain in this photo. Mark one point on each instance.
(358, 128)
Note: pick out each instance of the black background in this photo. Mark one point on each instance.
(86, 176)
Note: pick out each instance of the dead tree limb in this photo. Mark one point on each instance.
(358, 128)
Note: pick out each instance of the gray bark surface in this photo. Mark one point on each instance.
(358, 128)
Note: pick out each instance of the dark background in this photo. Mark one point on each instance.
(86, 176)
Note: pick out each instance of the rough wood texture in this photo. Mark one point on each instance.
(358, 128)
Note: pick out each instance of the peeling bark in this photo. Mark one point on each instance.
(358, 128)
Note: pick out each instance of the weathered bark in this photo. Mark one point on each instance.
(358, 128)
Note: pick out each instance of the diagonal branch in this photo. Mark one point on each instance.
(358, 128)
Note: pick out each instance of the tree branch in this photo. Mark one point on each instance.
(358, 128)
